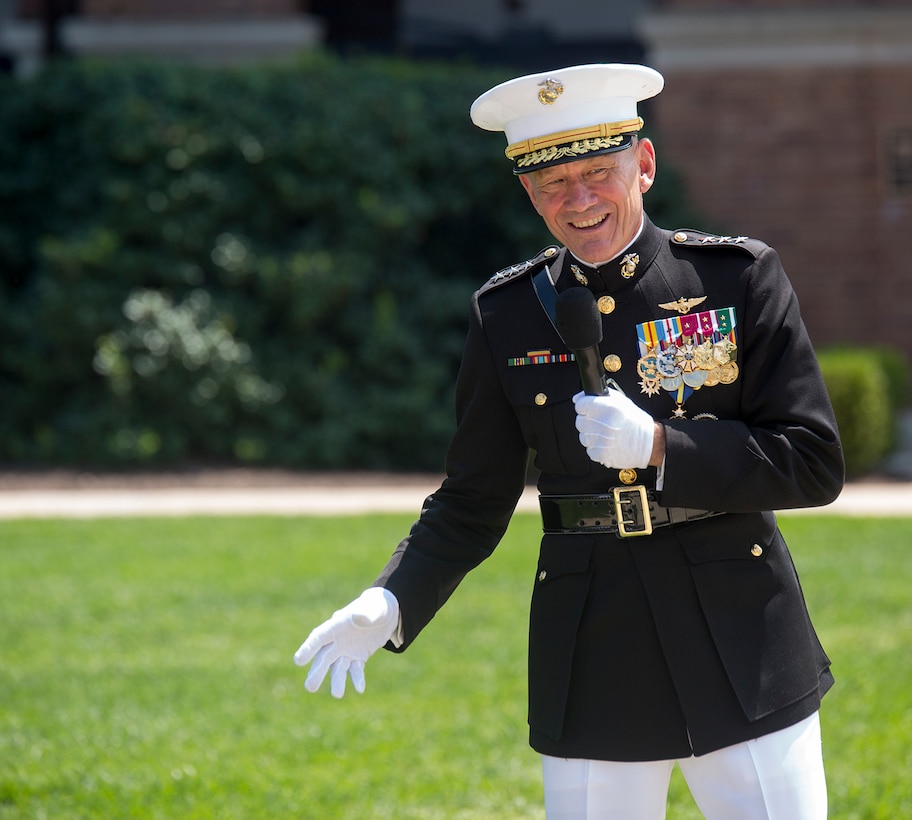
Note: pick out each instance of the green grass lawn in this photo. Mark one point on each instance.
(146, 672)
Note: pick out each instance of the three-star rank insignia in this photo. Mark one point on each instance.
(697, 237)
(521, 267)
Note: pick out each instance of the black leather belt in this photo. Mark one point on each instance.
(625, 511)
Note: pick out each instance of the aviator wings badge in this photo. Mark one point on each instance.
(683, 305)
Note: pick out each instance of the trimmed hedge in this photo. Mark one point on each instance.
(267, 264)
(868, 388)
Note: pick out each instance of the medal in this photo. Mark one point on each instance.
(684, 353)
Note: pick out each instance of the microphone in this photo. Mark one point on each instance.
(580, 326)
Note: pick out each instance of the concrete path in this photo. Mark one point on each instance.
(61, 495)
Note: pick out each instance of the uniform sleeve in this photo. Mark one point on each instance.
(780, 449)
(463, 521)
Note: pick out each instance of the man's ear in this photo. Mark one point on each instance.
(646, 161)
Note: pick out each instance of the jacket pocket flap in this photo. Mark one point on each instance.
(732, 537)
(563, 555)
(556, 382)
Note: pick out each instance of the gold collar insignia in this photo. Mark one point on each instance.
(579, 275)
(629, 265)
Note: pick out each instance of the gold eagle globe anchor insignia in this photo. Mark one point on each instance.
(629, 265)
(550, 91)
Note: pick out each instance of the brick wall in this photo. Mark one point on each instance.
(807, 145)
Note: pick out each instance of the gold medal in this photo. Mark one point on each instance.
(724, 351)
(647, 366)
(605, 304)
(703, 356)
(729, 373)
(649, 386)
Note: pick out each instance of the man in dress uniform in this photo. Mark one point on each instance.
(667, 621)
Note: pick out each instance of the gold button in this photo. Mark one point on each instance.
(612, 363)
(541, 399)
(605, 304)
(627, 476)
(680, 236)
(756, 550)
(550, 251)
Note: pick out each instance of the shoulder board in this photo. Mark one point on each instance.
(519, 269)
(691, 238)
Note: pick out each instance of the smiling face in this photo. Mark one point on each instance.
(594, 206)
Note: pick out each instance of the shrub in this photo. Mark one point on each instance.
(859, 388)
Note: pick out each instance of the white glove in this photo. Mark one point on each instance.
(343, 644)
(614, 431)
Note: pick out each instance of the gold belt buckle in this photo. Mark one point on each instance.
(626, 496)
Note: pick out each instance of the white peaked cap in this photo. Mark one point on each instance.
(561, 115)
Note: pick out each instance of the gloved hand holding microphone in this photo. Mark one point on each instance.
(615, 432)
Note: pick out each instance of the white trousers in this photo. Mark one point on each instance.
(775, 777)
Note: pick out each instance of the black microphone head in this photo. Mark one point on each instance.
(578, 319)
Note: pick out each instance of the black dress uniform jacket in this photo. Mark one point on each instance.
(692, 638)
